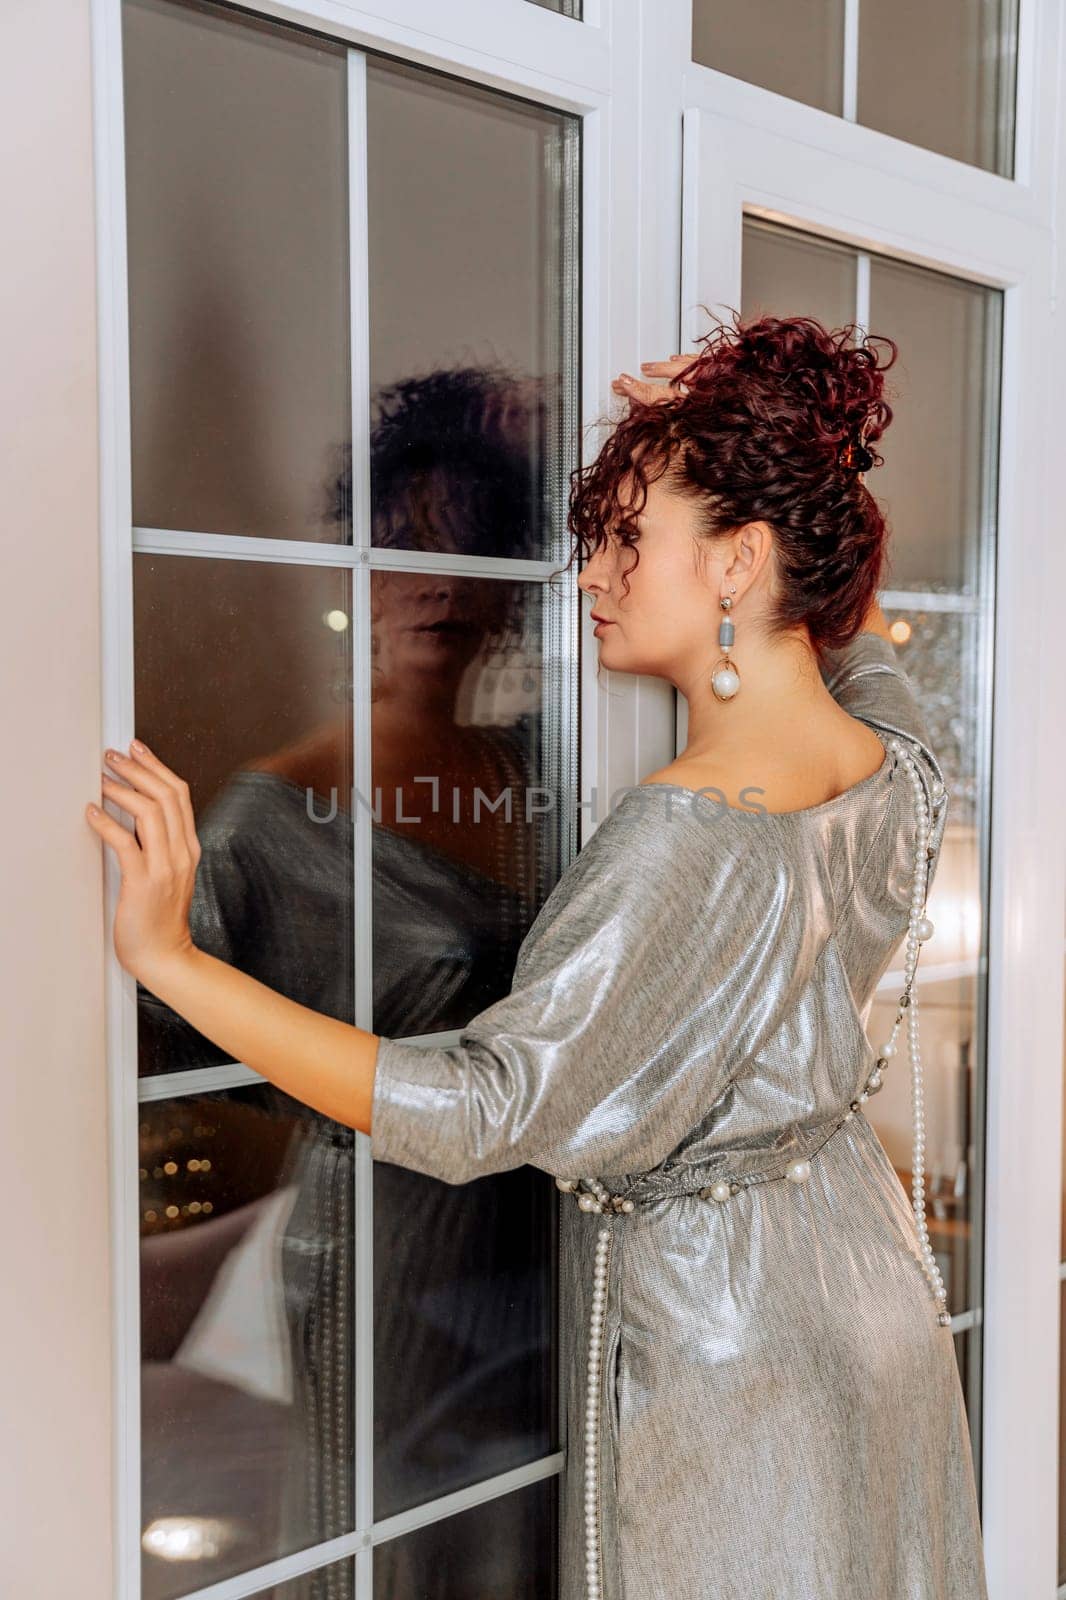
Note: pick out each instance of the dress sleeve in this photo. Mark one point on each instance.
(651, 973)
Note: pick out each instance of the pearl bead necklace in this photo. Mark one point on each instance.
(919, 930)
(595, 1198)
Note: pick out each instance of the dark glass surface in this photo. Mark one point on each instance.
(243, 687)
(503, 1549)
(335, 1582)
(465, 1304)
(467, 751)
(247, 1220)
(464, 1275)
(472, 238)
(237, 227)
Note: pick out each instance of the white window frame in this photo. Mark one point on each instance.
(626, 70)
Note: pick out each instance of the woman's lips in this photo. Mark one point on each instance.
(600, 625)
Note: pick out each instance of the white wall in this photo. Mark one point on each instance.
(55, 1344)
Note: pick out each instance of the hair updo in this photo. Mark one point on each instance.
(761, 435)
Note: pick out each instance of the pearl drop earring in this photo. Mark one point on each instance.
(725, 679)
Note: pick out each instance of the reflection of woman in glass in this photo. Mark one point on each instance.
(464, 1291)
(761, 1376)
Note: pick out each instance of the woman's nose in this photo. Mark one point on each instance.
(591, 575)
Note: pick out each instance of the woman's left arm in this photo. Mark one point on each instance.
(327, 1064)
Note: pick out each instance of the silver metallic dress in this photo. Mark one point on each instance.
(761, 1399)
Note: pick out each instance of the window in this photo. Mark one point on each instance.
(787, 210)
(942, 76)
(353, 304)
(937, 486)
(311, 235)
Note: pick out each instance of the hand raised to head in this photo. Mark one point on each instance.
(649, 394)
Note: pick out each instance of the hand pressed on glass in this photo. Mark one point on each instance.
(327, 1064)
(158, 858)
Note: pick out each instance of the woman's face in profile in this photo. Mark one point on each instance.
(670, 610)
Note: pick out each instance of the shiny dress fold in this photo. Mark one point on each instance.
(781, 1415)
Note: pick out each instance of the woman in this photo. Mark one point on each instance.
(763, 1394)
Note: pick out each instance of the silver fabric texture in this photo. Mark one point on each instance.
(783, 1416)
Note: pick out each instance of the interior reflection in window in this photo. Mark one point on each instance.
(247, 1197)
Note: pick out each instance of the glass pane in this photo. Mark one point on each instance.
(336, 1582)
(940, 447)
(942, 76)
(246, 1205)
(504, 1547)
(243, 686)
(465, 1307)
(467, 753)
(796, 50)
(938, 490)
(465, 1285)
(935, 650)
(568, 8)
(473, 308)
(237, 218)
(790, 274)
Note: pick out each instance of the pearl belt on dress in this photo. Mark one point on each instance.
(592, 1195)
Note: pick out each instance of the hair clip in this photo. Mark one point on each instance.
(856, 457)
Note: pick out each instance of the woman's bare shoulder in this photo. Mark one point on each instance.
(715, 780)
(781, 781)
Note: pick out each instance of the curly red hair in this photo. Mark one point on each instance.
(761, 435)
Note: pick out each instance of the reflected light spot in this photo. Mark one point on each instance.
(188, 1538)
(900, 630)
(337, 620)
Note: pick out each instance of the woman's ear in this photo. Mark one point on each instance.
(752, 551)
